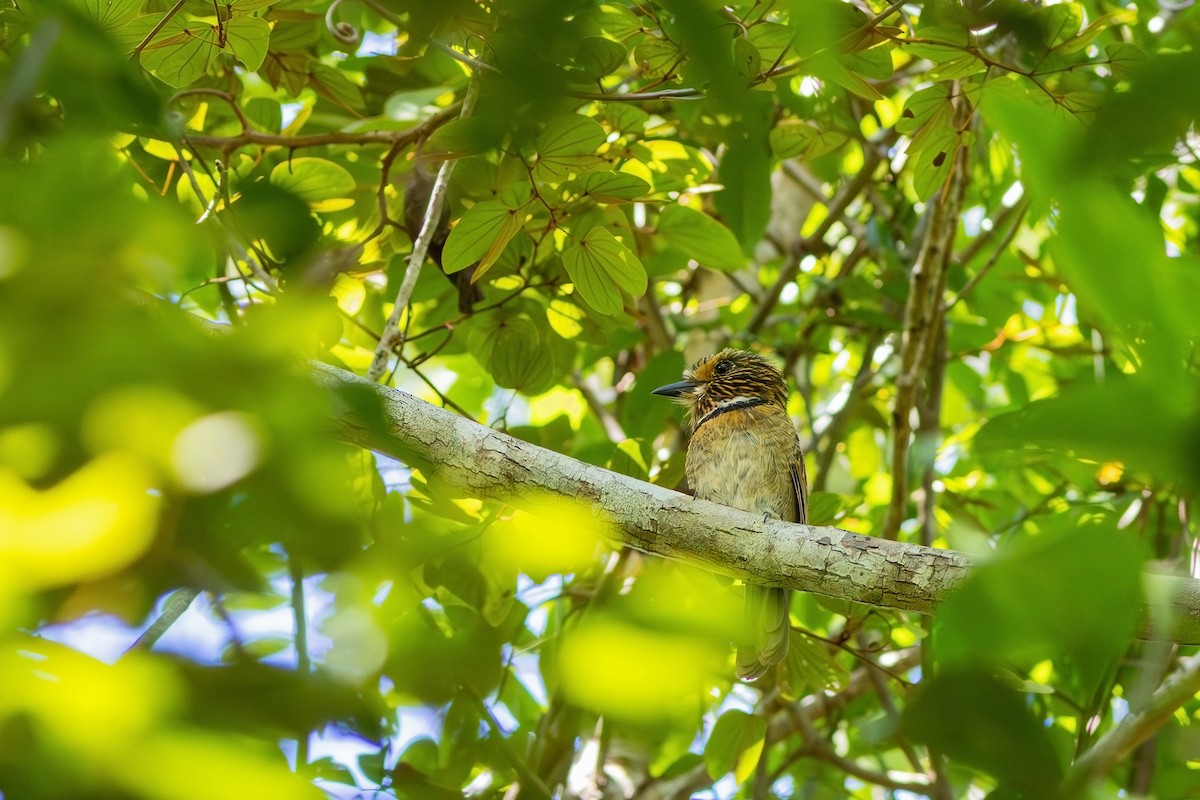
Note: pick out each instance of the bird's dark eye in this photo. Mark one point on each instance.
(723, 367)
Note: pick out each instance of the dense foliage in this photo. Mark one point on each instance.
(967, 231)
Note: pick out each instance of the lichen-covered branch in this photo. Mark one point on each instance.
(481, 462)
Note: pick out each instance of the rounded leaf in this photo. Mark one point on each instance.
(600, 266)
(700, 237)
(735, 745)
(481, 235)
(313, 179)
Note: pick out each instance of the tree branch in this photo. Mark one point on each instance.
(484, 463)
(391, 340)
(1137, 726)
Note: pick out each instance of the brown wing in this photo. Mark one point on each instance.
(800, 486)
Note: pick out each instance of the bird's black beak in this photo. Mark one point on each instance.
(675, 389)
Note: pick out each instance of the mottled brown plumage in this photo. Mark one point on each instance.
(744, 453)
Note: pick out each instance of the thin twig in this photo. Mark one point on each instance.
(836, 208)
(251, 137)
(162, 23)
(391, 339)
(1019, 209)
(303, 661)
(179, 602)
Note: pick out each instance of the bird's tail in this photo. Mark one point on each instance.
(768, 621)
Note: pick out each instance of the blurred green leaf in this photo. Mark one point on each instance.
(735, 745)
(973, 718)
(1072, 596)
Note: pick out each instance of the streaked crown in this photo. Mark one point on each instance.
(729, 375)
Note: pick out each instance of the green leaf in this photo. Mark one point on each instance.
(334, 86)
(180, 53)
(247, 38)
(265, 113)
(1146, 423)
(568, 144)
(829, 68)
(746, 58)
(598, 56)
(513, 350)
(628, 459)
(744, 202)
(1124, 57)
(795, 139)
(313, 179)
(823, 507)
(974, 718)
(700, 237)
(611, 187)
(656, 57)
(809, 663)
(481, 235)
(600, 266)
(1075, 595)
(921, 107)
(940, 43)
(735, 745)
(932, 151)
(413, 104)
(109, 14)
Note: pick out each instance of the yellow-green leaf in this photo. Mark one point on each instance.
(796, 139)
(247, 38)
(612, 187)
(180, 53)
(656, 57)
(481, 235)
(810, 664)
(313, 179)
(513, 349)
(598, 57)
(600, 266)
(568, 144)
(109, 14)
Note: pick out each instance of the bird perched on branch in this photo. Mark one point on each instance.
(744, 453)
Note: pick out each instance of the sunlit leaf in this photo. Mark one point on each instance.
(181, 52)
(811, 665)
(567, 145)
(109, 14)
(313, 179)
(796, 139)
(655, 57)
(600, 267)
(481, 235)
(612, 187)
(247, 38)
(93, 523)
(333, 85)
